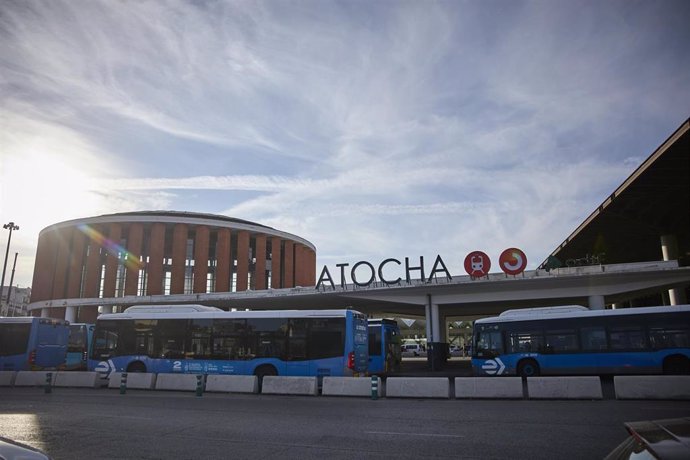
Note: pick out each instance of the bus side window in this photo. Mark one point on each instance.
(526, 342)
(670, 336)
(593, 338)
(627, 338)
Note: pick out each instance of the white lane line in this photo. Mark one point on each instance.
(129, 417)
(392, 433)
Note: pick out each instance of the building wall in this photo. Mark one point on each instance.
(140, 254)
(18, 301)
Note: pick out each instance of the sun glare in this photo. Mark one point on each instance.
(41, 189)
(23, 428)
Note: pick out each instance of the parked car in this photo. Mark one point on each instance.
(660, 439)
(12, 450)
(413, 349)
(455, 350)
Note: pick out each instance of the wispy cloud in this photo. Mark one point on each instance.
(396, 128)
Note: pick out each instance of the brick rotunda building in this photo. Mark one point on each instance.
(162, 253)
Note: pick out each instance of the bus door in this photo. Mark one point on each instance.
(266, 341)
(392, 351)
(377, 355)
(77, 347)
(229, 346)
(297, 359)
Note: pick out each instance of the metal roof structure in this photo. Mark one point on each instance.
(653, 201)
(462, 296)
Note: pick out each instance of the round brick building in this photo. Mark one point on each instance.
(163, 253)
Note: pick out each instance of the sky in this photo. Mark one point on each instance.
(375, 130)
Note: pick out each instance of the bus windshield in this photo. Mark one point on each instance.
(14, 338)
(77, 338)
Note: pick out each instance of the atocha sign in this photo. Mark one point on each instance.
(477, 264)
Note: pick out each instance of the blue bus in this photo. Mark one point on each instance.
(384, 346)
(205, 340)
(78, 346)
(576, 340)
(32, 344)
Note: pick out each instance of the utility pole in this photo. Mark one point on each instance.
(9, 287)
(10, 226)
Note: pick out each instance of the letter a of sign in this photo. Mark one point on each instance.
(438, 262)
(325, 275)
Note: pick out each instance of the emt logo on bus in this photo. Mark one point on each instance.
(494, 366)
(105, 367)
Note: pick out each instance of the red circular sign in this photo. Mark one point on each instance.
(512, 261)
(477, 264)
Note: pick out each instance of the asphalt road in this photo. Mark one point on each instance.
(93, 424)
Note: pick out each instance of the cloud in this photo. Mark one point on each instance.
(371, 129)
(254, 183)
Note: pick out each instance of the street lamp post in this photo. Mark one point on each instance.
(9, 286)
(10, 226)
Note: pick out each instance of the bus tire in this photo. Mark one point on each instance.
(528, 368)
(676, 365)
(136, 366)
(263, 371)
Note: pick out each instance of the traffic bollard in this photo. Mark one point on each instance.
(374, 387)
(123, 383)
(199, 385)
(49, 382)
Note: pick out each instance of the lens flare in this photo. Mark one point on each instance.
(130, 260)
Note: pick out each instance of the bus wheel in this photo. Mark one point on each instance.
(677, 365)
(528, 368)
(263, 371)
(136, 366)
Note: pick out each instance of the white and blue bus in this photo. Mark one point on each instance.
(384, 346)
(195, 339)
(32, 344)
(80, 335)
(575, 340)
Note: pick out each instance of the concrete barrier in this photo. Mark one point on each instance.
(488, 387)
(277, 385)
(417, 387)
(33, 378)
(135, 380)
(7, 378)
(349, 386)
(588, 387)
(78, 379)
(652, 387)
(176, 382)
(232, 383)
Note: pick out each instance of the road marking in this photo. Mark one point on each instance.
(129, 417)
(392, 433)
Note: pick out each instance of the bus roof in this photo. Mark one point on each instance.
(170, 312)
(171, 309)
(374, 321)
(31, 319)
(551, 313)
(543, 310)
